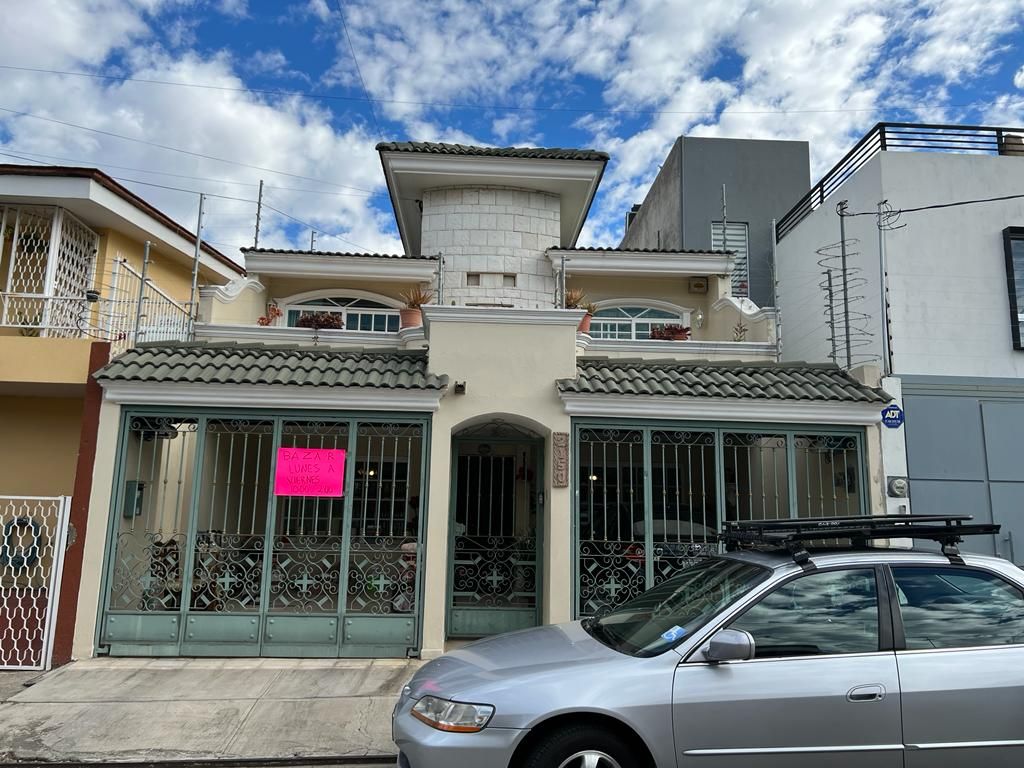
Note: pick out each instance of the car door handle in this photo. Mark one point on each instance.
(866, 693)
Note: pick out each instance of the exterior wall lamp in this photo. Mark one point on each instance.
(698, 318)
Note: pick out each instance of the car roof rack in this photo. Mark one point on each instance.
(790, 534)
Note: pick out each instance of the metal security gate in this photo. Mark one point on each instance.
(208, 557)
(33, 533)
(649, 499)
(497, 513)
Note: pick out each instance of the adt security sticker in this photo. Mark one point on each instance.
(673, 634)
(892, 416)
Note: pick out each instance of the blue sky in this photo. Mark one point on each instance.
(298, 92)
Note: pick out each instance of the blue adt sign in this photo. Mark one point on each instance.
(892, 416)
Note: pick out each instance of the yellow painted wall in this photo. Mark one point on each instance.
(39, 439)
(27, 360)
(283, 287)
(671, 289)
(172, 276)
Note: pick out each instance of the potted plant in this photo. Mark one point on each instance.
(670, 332)
(321, 320)
(411, 316)
(273, 313)
(575, 298)
(590, 308)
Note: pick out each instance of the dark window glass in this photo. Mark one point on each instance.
(821, 613)
(958, 608)
(1013, 240)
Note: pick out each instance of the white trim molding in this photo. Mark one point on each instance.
(500, 316)
(271, 396)
(745, 307)
(688, 349)
(281, 334)
(720, 409)
(323, 265)
(228, 292)
(665, 306)
(337, 293)
(583, 262)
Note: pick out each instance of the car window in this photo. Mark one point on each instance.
(958, 608)
(665, 615)
(821, 613)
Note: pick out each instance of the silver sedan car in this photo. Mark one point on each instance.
(868, 657)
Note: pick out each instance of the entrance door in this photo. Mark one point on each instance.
(496, 519)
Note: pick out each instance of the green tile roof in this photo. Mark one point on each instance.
(539, 153)
(734, 380)
(233, 363)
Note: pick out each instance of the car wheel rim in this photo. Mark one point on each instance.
(590, 758)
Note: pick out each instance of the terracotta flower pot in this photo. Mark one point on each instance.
(410, 317)
(585, 323)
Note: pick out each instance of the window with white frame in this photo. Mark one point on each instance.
(734, 237)
(359, 314)
(633, 322)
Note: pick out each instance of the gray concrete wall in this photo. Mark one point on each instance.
(763, 180)
(658, 223)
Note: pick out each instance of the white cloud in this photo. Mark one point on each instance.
(1018, 79)
(237, 8)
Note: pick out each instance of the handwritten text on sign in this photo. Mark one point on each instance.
(309, 472)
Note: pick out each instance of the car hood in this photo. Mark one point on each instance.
(521, 655)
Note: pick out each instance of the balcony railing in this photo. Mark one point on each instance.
(905, 137)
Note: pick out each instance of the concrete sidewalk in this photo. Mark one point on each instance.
(170, 709)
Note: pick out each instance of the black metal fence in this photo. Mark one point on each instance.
(912, 137)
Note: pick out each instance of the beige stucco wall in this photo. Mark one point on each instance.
(94, 543)
(39, 438)
(173, 276)
(491, 359)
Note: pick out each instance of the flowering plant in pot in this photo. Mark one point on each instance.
(273, 313)
(321, 320)
(670, 332)
(411, 315)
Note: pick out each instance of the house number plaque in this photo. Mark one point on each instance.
(560, 459)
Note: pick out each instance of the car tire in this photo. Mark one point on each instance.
(577, 746)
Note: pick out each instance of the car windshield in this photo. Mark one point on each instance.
(662, 617)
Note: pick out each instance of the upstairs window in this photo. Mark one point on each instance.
(1013, 244)
(631, 323)
(359, 314)
(734, 238)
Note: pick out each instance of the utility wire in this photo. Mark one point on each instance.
(19, 113)
(352, 50)
(456, 105)
(936, 206)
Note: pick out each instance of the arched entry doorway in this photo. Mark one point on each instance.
(497, 507)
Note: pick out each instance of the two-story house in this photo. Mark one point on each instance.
(77, 283)
(341, 465)
(932, 239)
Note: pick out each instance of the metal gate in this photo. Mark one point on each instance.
(650, 499)
(33, 533)
(205, 558)
(497, 513)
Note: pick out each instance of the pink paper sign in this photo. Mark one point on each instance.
(309, 472)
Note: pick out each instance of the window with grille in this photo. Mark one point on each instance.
(734, 238)
(359, 314)
(625, 323)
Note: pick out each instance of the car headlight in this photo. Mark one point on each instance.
(452, 716)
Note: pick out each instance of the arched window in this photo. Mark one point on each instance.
(633, 322)
(359, 314)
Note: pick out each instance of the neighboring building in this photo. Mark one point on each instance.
(951, 345)
(502, 468)
(71, 266)
(684, 207)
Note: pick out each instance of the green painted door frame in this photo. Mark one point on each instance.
(186, 631)
(479, 621)
(649, 426)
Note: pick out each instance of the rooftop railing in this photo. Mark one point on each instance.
(903, 137)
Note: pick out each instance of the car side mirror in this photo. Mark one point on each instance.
(730, 645)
